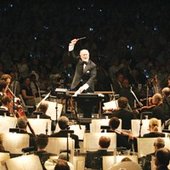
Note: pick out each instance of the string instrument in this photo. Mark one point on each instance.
(19, 109)
(125, 133)
(10, 94)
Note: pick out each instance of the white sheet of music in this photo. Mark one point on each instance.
(135, 124)
(40, 125)
(14, 142)
(25, 162)
(96, 124)
(6, 123)
(51, 111)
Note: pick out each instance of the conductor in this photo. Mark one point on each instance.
(85, 73)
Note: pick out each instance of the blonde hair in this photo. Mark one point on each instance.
(153, 124)
(157, 98)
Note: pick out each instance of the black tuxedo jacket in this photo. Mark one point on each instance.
(94, 159)
(126, 117)
(82, 76)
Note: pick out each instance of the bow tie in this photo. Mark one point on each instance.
(85, 62)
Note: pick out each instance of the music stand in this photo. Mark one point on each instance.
(86, 103)
(147, 115)
(60, 94)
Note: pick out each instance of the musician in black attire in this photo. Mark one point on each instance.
(41, 111)
(123, 139)
(94, 158)
(153, 128)
(3, 86)
(42, 142)
(166, 102)
(123, 113)
(63, 123)
(146, 160)
(84, 77)
(22, 125)
(85, 73)
(158, 110)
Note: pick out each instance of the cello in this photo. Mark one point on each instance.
(18, 110)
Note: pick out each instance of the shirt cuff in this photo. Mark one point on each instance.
(70, 47)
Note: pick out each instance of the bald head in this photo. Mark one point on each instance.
(159, 143)
(84, 55)
(166, 91)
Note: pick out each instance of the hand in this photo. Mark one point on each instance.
(72, 44)
(81, 89)
(74, 41)
(85, 86)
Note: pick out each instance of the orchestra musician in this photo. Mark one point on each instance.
(166, 102)
(6, 78)
(6, 105)
(155, 107)
(153, 128)
(85, 73)
(22, 124)
(123, 113)
(5, 81)
(3, 88)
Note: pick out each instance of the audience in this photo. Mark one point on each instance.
(122, 52)
(27, 93)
